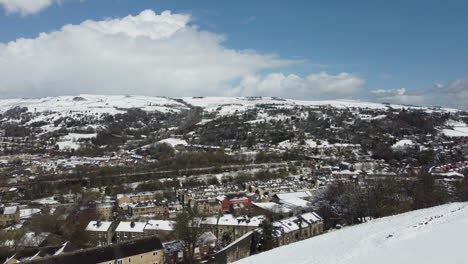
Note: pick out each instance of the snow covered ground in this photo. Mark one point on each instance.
(93, 104)
(430, 236)
(228, 105)
(113, 104)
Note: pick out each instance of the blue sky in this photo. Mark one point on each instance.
(388, 44)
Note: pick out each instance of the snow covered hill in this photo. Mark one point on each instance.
(228, 105)
(94, 104)
(431, 236)
(99, 104)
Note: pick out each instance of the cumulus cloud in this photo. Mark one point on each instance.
(318, 85)
(152, 54)
(25, 7)
(146, 54)
(454, 94)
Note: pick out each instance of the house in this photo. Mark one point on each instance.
(9, 215)
(278, 210)
(231, 226)
(228, 205)
(129, 231)
(173, 252)
(142, 251)
(102, 232)
(295, 201)
(297, 228)
(207, 206)
(104, 211)
(160, 228)
(151, 207)
(238, 249)
(137, 197)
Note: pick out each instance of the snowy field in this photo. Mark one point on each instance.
(436, 235)
(113, 104)
(93, 104)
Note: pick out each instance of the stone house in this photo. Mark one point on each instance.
(102, 232)
(9, 215)
(104, 211)
(126, 231)
(137, 197)
(231, 226)
(297, 228)
(160, 228)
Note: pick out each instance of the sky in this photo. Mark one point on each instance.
(410, 52)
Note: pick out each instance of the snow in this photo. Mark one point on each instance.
(27, 213)
(9, 210)
(294, 195)
(173, 141)
(456, 132)
(77, 136)
(293, 223)
(60, 250)
(230, 220)
(103, 226)
(404, 143)
(94, 104)
(68, 145)
(229, 105)
(457, 129)
(273, 207)
(430, 236)
(127, 227)
(164, 225)
(47, 200)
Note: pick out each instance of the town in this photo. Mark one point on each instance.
(121, 179)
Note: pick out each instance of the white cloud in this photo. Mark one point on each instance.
(453, 94)
(145, 54)
(25, 7)
(320, 85)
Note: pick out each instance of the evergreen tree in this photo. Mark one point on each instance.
(266, 241)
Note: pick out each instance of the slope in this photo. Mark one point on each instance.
(429, 236)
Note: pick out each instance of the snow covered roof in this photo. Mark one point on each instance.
(295, 223)
(294, 202)
(122, 195)
(403, 144)
(164, 225)
(8, 210)
(273, 207)
(173, 141)
(98, 226)
(231, 220)
(302, 194)
(126, 226)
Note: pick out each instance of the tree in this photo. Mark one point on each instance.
(428, 192)
(266, 240)
(189, 231)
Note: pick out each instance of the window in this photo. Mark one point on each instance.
(119, 261)
(129, 260)
(155, 253)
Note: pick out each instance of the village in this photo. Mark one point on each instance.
(242, 177)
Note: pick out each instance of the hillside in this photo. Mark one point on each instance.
(112, 104)
(434, 235)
